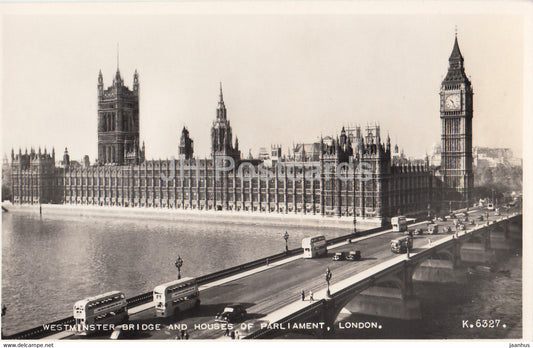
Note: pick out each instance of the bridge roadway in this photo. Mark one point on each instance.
(280, 284)
(268, 289)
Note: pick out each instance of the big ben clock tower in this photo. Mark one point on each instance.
(456, 116)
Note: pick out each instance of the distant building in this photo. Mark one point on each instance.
(434, 157)
(492, 157)
(355, 173)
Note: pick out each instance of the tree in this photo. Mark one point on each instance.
(6, 193)
(503, 179)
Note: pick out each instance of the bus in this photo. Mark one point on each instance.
(400, 245)
(314, 246)
(93, 313)
(175, 296)
(399, 223)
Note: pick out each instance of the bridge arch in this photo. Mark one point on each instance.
(481, 239)
(391, 281)
(444, 254)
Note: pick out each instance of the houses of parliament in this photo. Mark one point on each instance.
(318, 178)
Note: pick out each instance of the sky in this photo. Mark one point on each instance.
(289, 73)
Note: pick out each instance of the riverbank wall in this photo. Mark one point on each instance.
(269, 219)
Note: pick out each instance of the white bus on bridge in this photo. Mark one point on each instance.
(177, 295)
(314, 246)
(100, 312)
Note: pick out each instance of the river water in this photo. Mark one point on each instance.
(49, 264)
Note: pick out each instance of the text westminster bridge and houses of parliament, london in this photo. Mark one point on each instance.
(353, 173)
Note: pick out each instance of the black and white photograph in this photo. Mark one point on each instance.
(289, 171)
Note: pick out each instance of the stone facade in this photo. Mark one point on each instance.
(35, 179)
(353, 174)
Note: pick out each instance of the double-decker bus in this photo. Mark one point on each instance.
(175, 296)
(314, 246)
(91, 314)
(399, 223)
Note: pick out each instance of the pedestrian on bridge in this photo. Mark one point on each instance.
(303, 295)
(311, 299)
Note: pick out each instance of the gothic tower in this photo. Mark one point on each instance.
(456, 134)
(221, 136)
(186, 147)
(118, 122)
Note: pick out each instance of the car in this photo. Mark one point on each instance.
(490, 206)
(339, 256)
(433, 229)
(231, 314)
(354, 255)
(419, 231)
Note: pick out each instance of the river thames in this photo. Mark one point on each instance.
(49, 264)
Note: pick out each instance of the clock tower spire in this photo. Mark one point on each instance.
(456, 112)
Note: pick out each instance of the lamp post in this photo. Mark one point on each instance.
(178, 264)
(354, 224)
(286, 237)
(328, 278)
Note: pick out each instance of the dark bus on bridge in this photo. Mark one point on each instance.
(400, 245)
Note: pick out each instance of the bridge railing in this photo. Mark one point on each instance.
(264, 333)
(41, 331)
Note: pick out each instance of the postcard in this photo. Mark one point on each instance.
(297, 171)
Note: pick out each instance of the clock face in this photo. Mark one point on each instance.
(453, 102)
